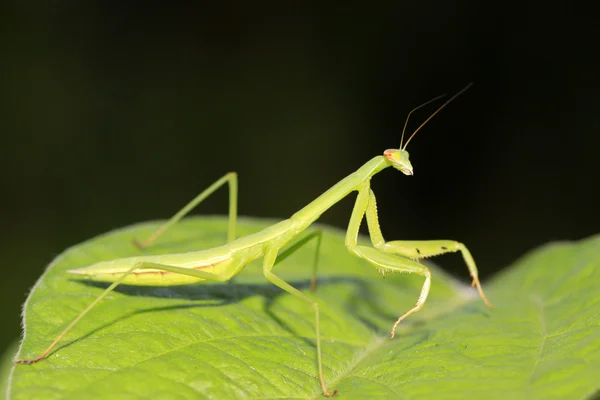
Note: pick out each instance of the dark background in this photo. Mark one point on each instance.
(111, 115)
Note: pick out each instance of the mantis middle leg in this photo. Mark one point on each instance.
(318, 235)
(269, 260)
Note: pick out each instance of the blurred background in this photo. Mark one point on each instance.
(111, 114)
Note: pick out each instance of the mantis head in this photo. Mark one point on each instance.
(399, 160)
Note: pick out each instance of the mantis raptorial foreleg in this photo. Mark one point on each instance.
(417, 249)
(397, 255)
(231, 179)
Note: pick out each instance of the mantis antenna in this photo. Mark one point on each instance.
(412, 111)
(432, 115)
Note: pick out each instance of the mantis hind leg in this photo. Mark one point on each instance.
(142, 265)
(231, 179)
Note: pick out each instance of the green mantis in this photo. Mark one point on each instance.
(221, 263)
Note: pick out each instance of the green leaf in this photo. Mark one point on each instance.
(6, 367)
(249, 339)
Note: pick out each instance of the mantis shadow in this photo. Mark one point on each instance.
(223, 294)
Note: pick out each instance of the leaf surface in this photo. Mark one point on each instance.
(247, 339)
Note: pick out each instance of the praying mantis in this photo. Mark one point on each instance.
(221, 263)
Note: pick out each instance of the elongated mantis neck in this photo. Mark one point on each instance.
(314, 209)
